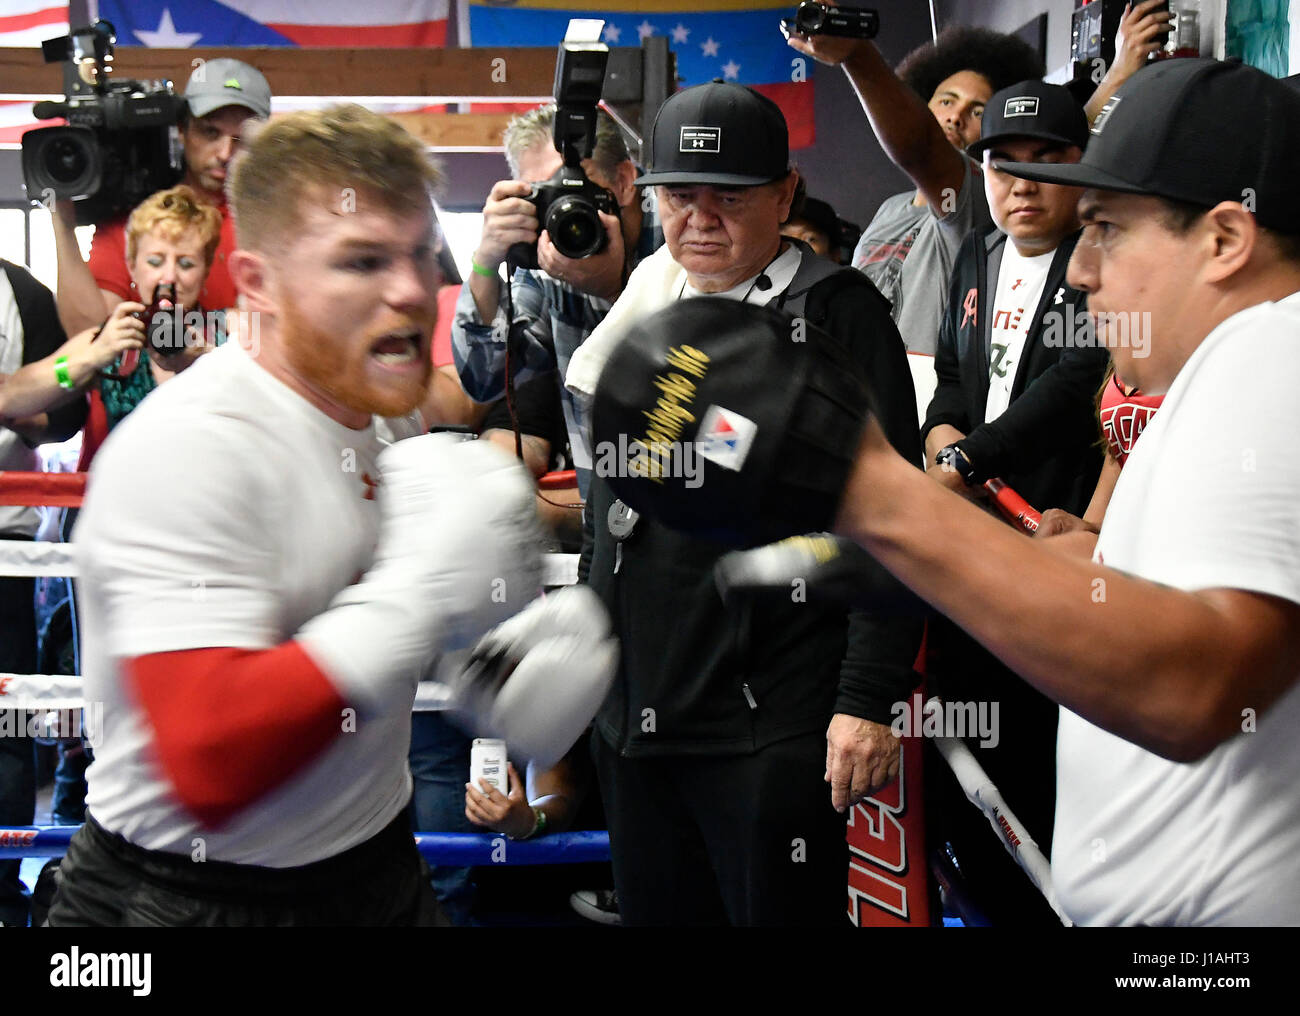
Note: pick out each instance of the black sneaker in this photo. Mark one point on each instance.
(599, 905)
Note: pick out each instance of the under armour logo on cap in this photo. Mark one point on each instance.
(1021, 105)
(700, 139)
(233, 83)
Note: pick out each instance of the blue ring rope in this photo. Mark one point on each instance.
(456, 849)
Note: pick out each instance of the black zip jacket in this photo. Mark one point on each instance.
(1045, 445)
(698, 676)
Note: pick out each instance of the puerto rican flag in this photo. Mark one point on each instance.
(27, 23)
(185, 23)
(735, 40)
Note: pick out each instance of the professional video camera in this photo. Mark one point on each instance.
(121, 142)
(567, 203)
(818, 19)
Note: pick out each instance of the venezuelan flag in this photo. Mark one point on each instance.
(736, 40)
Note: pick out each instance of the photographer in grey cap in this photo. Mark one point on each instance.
(220, 98)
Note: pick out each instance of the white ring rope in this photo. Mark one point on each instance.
(1009, 829)
(26, 559)
(23, 558)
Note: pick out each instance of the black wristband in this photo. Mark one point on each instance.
(952, 457)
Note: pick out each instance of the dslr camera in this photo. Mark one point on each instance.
(121, 142)
(818, 19)
(567, 203)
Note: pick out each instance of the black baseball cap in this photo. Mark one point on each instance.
(718, 133)
(1031, 109)
(1195, 130)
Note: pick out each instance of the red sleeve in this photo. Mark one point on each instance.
(108, 258)
(231, 725)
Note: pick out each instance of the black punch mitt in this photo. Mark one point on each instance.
(730, 421)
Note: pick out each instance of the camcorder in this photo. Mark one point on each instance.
(818, 19)
(567, 203)
(121, 142)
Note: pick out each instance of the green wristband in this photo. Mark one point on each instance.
(478, 269)
(61, 373)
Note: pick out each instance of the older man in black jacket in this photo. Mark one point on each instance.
(727, 721)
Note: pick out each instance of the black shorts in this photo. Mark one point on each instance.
(104, 881)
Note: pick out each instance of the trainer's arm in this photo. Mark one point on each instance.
(1169, 670)
(903, 124)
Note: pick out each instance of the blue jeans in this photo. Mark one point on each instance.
(440, 769)
(57, 624)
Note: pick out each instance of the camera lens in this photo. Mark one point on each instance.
(575, 228)
(810, 18)
(65, 160)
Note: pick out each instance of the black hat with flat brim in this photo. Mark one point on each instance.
(1198, 131)
(721, 134)
(1031, 109)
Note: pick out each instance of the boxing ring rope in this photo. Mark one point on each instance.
(59, 692)
(50, 692)
(454, 849)
(984, 794)
(36, 490)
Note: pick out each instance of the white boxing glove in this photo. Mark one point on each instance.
(458, 552)
(536, 680)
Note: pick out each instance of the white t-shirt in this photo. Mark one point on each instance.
(226, 511)
(1210, 498)
(1019, 288)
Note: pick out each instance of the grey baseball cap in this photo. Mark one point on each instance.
(226, 82)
